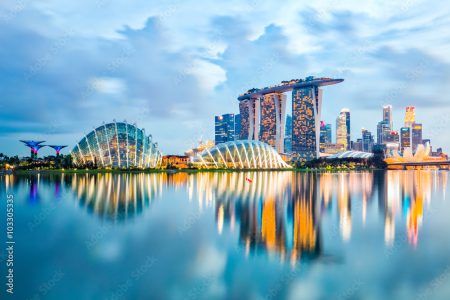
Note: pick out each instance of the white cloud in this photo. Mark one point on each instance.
(108, 85)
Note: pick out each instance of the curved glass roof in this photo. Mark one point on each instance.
(351, 154)
(242, 154)
(117, 145)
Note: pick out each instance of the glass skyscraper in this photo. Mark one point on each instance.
(288, 135)
(306, 111)
(387, 116)
(405, 138)
(342, 135)
(416, 135)
(224, 128)
(325, 133)
(237, 127)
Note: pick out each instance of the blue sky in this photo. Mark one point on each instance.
(170, 66)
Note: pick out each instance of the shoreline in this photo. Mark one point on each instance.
(174, 171)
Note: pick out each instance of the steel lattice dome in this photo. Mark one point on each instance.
(117, 145)
(242, 154)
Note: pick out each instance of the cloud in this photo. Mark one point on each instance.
(170, 63)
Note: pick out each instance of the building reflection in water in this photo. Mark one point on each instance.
(281, 212)
(116, 196)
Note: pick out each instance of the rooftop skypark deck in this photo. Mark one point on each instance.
(286, 86)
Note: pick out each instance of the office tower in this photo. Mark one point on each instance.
(416, 135)
(405, 138)
(392, 137)
(367, 141)
(341, 130)
(387, 116)
(325, 133)
(224, 128)
(383, 130)
(249, 110)
(237, 127)
(306, 111)
(273, 111)
(288, 135)
(410, 116)
(346, 111)
(358, 145)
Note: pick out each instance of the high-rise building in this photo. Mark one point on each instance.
(224, 128)
(325, 133)
(387, 116)
(358, 145)
(250, 111)
(306, 111)
(416, 135)
(288, 135)
(392, 137)
(237, 127)
(342, 129)
(405, 138)
(262, 115)
(367, 140)
(383, 130)
(410, 116)
(273, 111)
(346, 111)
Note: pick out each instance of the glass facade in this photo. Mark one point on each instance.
(306, 108)
(117, 145)
(245, 154)
(405, 137)
(224, 128)
(341, 130)
(416, 136)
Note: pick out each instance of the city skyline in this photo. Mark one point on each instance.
(163, 72)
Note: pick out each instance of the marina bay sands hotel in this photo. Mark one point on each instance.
(263, 115)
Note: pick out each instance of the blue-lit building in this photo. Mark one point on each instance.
(288, 136)
(325, 133)
(367, 141)
(224, 128)
(237, 127)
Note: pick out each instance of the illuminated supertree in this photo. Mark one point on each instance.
(34, 146)
(57, 148)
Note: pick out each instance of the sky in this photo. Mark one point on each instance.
(171, 66)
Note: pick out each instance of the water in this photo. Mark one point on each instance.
(243, 235)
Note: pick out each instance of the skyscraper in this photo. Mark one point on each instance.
(250, 110)
(416, 135)
(288, 135)
(306, 111)
(387, 116)
(367, 140)
(405, 138)
(410, 116)
(237, 127)
(224, 128)
(325, 133)
(273, 111)
(383, 130)
(342, 135)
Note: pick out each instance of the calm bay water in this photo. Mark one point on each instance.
(242, 235)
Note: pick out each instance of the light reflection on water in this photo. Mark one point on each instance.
(294, 217)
